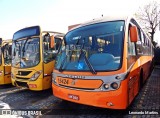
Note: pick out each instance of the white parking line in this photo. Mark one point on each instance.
(12, 91)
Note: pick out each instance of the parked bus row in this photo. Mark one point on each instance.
(28, 59)
(102, 63)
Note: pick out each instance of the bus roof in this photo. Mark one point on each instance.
(103, 19)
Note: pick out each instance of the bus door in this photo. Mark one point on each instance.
(51, 46)
(7, 62)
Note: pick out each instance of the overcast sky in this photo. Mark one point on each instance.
(57, 15)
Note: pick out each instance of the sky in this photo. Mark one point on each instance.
(57, 15)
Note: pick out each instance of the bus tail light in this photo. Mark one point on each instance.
(35, 75)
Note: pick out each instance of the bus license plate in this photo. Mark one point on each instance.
(74, 97)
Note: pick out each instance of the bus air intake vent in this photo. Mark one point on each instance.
(24, 73)
(22, 84)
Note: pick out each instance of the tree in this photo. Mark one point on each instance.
(155, 44)
(149, 17)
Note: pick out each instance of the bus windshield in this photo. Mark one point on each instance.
(25, 52)
(96, 47)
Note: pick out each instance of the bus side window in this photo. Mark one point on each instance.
(58, 43)
(142, 38)
(140, 42)
(131, 51)
(49, 53)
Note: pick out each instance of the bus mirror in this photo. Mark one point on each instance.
(133, 34)
(0, 41)
(52, 42)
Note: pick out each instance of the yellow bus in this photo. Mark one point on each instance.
(5, 61)
(104, 63)
(33, 57)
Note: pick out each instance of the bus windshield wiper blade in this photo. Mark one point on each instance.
(61, 66)
(88, 63)
(23, 48)
(86, 59)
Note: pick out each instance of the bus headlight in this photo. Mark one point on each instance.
(106, 86)
(35, 75)
(1, 72)
(110, 86)
(114, 85)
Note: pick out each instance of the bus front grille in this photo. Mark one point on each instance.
(24, 73)
(22, 84)
(22, 78)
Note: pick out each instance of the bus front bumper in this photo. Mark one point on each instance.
(32, 85)
(117, 99)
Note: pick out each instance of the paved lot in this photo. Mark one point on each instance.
(145, 105)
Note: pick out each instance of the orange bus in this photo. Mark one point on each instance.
(104, 63)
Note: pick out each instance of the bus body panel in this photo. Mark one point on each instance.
(7, 76)
(143, 63)
(2, 75)
(32, 85)
(47, 75)
(21, 77)
(99, 99)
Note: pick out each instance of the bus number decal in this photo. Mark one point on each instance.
(63, 81)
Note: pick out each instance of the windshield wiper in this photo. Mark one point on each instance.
(61, 66)
(86, 59)
(23, 49)
(88, 63)
(81, 50)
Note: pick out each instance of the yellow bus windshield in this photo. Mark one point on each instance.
(26, 52)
